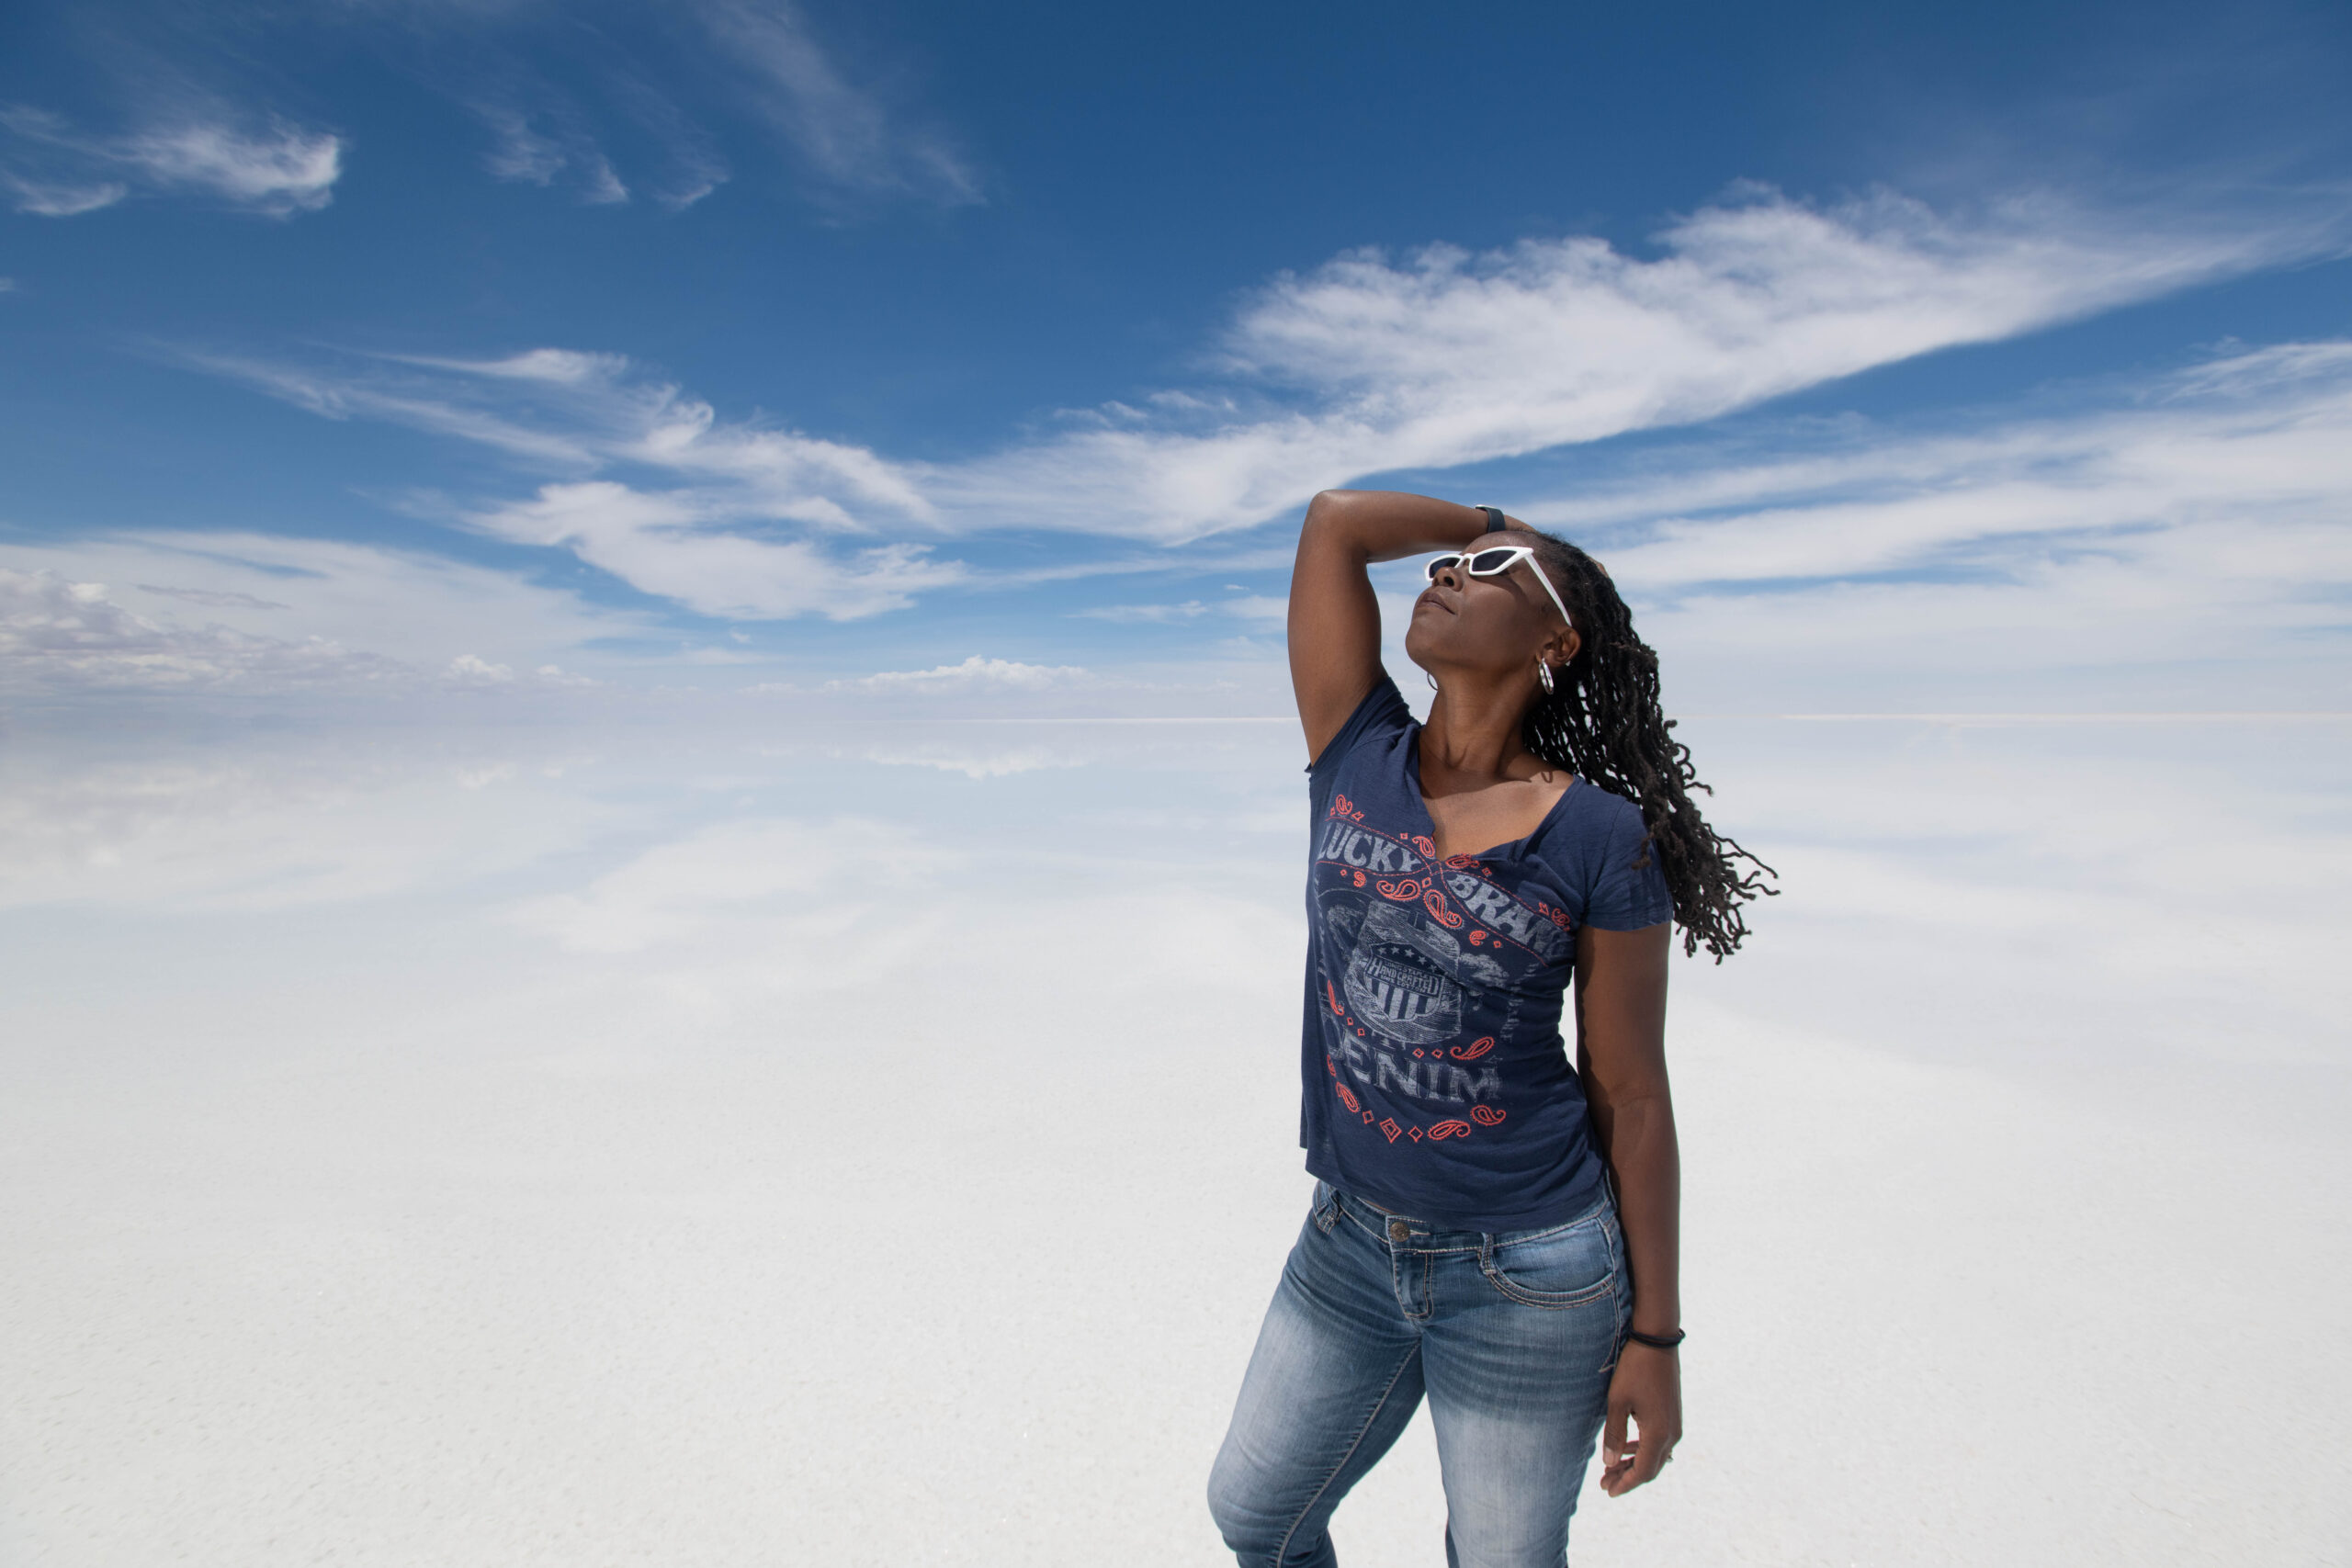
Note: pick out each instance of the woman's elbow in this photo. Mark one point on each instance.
(1328, 510)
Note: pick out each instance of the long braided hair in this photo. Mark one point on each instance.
(1602, 721)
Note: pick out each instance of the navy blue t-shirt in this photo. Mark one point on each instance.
(1437, 1082)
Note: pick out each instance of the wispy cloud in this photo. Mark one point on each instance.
(1247, 607)
(286, 614)
(569, 106)
(1364, 365)
(213, 598)
(276, 169)
(1446, 357)
(847, 136)
(522, 151)
(56, 633)
(732, 538)
(973, 672)
(668, 543)
(2188, 538)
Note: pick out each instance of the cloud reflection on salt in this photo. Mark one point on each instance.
(672, 1139)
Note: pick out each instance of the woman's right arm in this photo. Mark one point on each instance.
(1334, 620)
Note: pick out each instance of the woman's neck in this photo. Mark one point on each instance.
(1473, 736)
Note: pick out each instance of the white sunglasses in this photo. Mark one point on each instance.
(1495, 562)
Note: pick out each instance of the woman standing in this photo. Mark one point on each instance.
(1492, 1227)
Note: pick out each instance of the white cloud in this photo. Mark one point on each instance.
(562, 367)
(517, 151)
(61, 199)
(276, 170)
(471, 669)
(1448, 357)
(283, 170)
(342, 397)
(846, 135)
(1157, 615)
(2189, 549)
(1248, 607)
(214, 598)
(276, 613)
(975, 672)
(663, 543)
(523, 153)
(58, 633)
(1367, 364)
(1441, 359)
(728, 539)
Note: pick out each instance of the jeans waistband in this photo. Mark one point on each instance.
(1424, 1235)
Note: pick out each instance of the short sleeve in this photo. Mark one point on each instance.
(1627, 897)
(1381, 714)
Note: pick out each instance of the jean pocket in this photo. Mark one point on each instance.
(1565, 1268)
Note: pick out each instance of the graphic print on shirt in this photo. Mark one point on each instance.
(1413, 965)
(1404, 976)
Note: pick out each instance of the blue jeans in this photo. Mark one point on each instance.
(1512, 1335)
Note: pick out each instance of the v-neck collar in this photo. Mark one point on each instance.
(1516, 848)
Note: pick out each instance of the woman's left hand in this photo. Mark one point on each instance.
(1648, 1387)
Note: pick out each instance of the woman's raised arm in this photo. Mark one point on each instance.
(1334, 618)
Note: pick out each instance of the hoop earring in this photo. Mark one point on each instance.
(1543, 677)
(1432, 679)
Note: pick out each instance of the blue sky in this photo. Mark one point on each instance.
(1896, 361)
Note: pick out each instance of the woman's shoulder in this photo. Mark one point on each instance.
(1591, 824)
(1596, 809)
(1381, 715)
(1601, 854)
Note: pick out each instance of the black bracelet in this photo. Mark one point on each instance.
(1655, 1341)
(1495, 521)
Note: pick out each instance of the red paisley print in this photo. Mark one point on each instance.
(1485, 1115)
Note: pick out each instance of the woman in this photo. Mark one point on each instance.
(1492, 1229)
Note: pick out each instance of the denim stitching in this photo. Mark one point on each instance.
(1618, 1274)
(1397, 1266)
(1282, 1547)
(1380, 1233)
(1558, 1301)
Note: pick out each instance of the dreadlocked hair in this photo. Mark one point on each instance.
(1602, 721)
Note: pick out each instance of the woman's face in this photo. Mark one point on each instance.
(1488, 625)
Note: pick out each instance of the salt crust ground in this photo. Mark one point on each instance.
(701, 1156)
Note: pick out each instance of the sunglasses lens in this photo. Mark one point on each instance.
(1485, 563)
(1438, 563)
